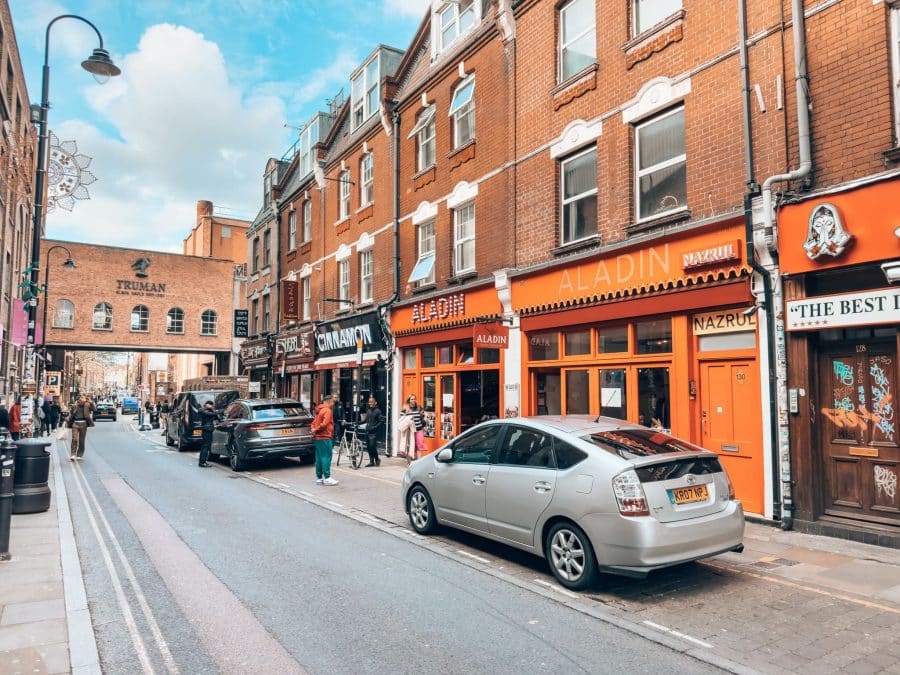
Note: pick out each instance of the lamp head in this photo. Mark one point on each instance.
(69, 264)
(101, 66)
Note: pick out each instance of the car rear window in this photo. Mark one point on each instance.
(634, 443)
(275, 412)
(201, 399)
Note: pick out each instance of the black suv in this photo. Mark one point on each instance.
(183, 425)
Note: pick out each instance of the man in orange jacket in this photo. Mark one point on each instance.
(323, 432)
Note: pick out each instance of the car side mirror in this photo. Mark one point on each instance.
(445, 455)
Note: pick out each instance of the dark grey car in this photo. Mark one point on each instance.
(257, 428)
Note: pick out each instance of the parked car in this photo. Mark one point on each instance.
(183, 425)
(588, 494)
(131, 405)
(105, 411)
(257, 428)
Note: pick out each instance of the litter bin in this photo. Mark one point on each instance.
(154, 419)
(30, 489)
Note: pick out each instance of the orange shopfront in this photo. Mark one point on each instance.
(658, 335)
(457, 382)
(840, 257)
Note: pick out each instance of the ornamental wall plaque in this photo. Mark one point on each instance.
(67, 175)
(826, 234)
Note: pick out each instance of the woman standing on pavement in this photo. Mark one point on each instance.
(15, 419)
(418, 416)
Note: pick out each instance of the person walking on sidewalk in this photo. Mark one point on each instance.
(4, 417)
(44, 416)
(323, 433)
(374, 425)
(80, 418)
(207, 423)
(15, 419)
(55, 414)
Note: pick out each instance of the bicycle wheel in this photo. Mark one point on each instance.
(356, 453)
(342, 448)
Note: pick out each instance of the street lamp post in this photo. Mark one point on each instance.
(101, 66)
(68, 264)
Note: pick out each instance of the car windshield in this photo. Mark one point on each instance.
(275, 412)
(634, 443)
(201, 399)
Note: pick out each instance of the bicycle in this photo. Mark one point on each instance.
(352, 446)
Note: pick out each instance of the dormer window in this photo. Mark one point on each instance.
(364, 93)
(267, 187)
(454, 19)
(306, 145)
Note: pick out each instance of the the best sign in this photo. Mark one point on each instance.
(848, 309)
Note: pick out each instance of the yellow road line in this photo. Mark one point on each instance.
(811, 589)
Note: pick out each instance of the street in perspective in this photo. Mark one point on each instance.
(450, 336)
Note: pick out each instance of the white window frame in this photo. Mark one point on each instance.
(142, 320)
(463, 243)
(292, 230)
(635, 13)
(455, 22)
(344, 197)
(308, 138)
(305, 294)
(307, 220)
(209, 322)
(895, 69)
(344, 283)
(361, 105)
(424, 133)
(64, 318)
(178, 327)
(565, 202)
(639, 173)
(366, 276)
(106, 308)
(366, 180)
(458, 112)
(561, 51)
(426, 248)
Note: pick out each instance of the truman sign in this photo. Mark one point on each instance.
(847, 309)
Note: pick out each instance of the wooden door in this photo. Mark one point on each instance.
(731, 425)
(858, 432)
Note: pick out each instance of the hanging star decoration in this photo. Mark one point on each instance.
(67, 175)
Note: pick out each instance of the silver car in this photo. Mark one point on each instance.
(589, 494)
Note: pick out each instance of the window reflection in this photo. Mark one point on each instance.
(653, 397)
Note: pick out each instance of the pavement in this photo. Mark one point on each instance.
(821, 604)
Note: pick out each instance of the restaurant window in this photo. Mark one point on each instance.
(464, 354)
(409, 359)
(488, 355)
(578, 342)
(612, 340)
(544, 346)
(427, 357)
(578, 185)
(577, 392)
(548, 393)
(653, 398)
(654, 337)
(613, 393)
(577, 40)
(428, 404)
(445, 355)
(661, 165)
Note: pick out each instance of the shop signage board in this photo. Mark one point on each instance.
(339, 337)
(254, 387)
(290, 300)
(723, 321)
(713, 255)
(241, 323)
(490, 336)
(867, 308)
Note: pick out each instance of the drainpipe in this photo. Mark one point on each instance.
(765, 303)
(769, 241)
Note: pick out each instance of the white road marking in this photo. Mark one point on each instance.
(340, 506)
(161, 643)
(556, 588)
(136, 639)
(670, 631)
(473, 556)
(305, 493)
(284, 485)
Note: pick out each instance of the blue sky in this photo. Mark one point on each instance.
(207, 87)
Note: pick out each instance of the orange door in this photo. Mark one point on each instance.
(409, 388)
(731, 425)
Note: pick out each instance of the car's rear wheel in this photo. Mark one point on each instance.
(571, 556)
(421, 511)
(181, 444)
(169, 440)
(234, 459)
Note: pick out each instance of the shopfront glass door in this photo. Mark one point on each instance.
(447, 405)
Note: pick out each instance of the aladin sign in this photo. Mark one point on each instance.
(490, 336)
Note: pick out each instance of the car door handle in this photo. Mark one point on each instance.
(542, 486)
(478, 480)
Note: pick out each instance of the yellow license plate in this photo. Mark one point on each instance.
(198, 432)
(688, 495)
(287, 432)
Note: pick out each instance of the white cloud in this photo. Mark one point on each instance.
(185, 132)
(320, 84)
(412, 8)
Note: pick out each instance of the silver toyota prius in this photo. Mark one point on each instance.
(589, 494)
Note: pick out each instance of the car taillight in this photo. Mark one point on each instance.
(630, 494)
(731, 496)
(254, 427)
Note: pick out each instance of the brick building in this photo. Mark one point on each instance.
(18, 143)
(218, 233)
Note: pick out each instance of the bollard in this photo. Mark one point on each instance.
(7, 476)
(31, 489)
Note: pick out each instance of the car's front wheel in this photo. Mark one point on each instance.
(421, 511)
(571, 556)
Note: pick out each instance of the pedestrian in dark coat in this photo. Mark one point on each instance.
(4, 417)
(55, 413)
(374, 427)
(339, 417)
(207, 424)
(45, 419)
